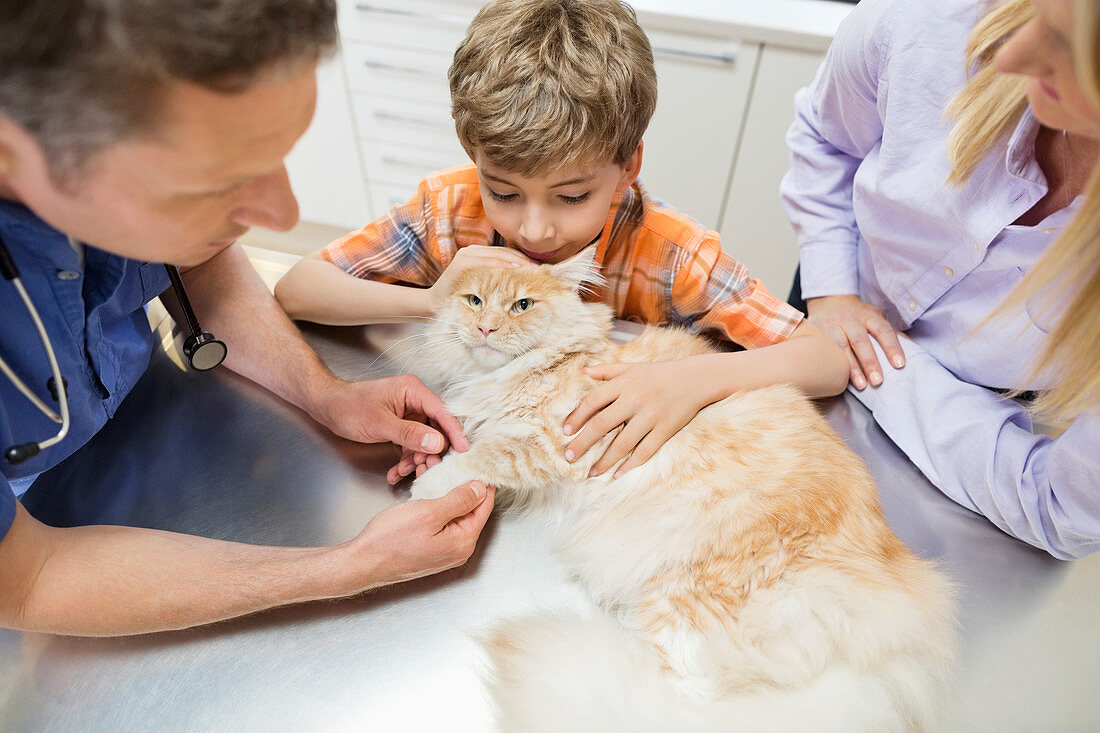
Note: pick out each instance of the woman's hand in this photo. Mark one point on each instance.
(652, 401)
(849, 323)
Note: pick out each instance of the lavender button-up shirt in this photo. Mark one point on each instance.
(866, 193)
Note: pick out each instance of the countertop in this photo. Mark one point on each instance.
(214, 455)
(805, 24)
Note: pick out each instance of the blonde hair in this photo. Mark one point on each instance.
(543, 84)
(1069, 271)
(990, 104)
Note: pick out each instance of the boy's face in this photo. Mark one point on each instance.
(554, 216)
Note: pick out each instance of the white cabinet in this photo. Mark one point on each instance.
(703, 87)
(754, 227)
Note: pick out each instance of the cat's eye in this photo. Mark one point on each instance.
(473, 300)
(522, 304)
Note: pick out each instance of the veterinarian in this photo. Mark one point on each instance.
(943, 147)
(134, 134)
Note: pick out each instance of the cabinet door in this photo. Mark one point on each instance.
(755, 229)
(703, 87)
(325, 166)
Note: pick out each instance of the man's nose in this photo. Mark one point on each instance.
(269, 203)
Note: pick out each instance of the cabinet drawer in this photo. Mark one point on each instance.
(392, 163)
(397, 72)
(407, 122)
(437, 26)
(385, 196)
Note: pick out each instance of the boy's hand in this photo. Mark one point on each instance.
(652, 401)
(474, 256)
(849, 322)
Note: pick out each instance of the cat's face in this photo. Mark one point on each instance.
(498, 314)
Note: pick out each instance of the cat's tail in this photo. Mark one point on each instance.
(555, 673)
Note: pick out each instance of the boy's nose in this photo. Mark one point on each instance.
(536, 227)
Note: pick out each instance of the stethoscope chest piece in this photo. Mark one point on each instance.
(203, 351)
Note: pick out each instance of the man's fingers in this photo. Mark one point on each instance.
(458, 502)
(418, 398)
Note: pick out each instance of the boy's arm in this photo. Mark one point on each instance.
(654, 400)
(319, 291)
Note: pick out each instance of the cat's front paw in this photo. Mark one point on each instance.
(433, 483)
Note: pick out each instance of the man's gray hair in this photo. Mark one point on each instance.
(79, 75)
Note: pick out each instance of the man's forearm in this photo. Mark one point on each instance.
(108, 581)
(232, 302)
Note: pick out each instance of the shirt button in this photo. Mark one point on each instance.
(912, 305)
(948, 271)
(977, 247)
(1050, 230)
(68, 275)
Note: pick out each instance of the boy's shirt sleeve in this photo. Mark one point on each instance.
(401, 247)
(713, 292)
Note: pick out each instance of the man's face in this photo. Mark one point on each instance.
(185, 190)
(552, 217)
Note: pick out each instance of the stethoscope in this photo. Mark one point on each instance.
(201, 349)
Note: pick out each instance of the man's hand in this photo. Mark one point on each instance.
(424, 536)
(400, 410)
(652, 401)
(474, 256)
(849, 322)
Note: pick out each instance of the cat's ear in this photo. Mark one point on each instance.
(580, 270)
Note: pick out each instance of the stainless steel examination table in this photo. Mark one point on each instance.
(213, 455)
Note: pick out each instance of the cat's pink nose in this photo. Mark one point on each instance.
(487, 329)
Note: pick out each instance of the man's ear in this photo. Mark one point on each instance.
(632, 168)
(580, 270)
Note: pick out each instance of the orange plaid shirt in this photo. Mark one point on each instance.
(661, 267)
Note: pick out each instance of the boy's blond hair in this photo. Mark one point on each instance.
(539, 85)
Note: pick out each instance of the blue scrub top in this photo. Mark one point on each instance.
(95, 317)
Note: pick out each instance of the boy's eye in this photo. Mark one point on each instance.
(501, 196)
(522, 304)
(576, 199)
(473, 300)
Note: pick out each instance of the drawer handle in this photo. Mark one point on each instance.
(383, 66)
(405, 163)
(435, 17)
(385, 116)
(728, 58)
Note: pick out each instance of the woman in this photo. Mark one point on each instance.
(914, 222)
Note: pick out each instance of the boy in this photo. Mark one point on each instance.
(551, 99)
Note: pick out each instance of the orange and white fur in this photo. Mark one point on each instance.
(747, 577)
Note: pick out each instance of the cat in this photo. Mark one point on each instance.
(748, 578)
